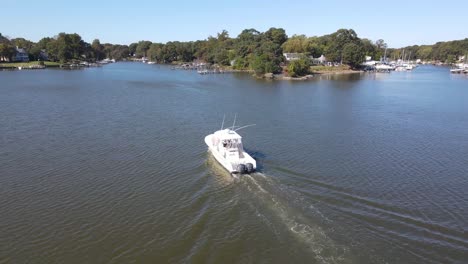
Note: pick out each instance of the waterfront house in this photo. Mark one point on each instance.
(21, 55)
(293, 56)
(319, 60)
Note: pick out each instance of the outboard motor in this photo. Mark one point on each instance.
(250, 168)
(242, 168)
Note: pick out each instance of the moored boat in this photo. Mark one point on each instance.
(457, 70)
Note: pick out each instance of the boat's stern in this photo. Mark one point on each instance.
(246, 165)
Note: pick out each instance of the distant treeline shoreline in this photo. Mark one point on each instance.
(261, 52)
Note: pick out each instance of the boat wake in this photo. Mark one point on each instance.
(283, 208)
(284, 211)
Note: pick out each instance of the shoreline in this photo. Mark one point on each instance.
(283, 77)
(337, 72)
(31, 65)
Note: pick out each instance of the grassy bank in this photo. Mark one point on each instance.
(12, 65)
(329, 69)
(342, 69)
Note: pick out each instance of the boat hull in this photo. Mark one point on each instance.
(229, 166)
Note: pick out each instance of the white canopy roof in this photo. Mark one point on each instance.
(227, 134)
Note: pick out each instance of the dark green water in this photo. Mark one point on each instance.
(108, 165)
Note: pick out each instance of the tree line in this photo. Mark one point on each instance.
(63, 48)
(251, 49)
(446, 52)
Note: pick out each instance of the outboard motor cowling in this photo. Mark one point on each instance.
(250, 168)
(242, 168)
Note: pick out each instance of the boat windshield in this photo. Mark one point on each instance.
(232, 143)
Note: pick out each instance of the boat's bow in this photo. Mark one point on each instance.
(209, 140)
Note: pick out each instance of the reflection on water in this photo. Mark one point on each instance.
(109, 165)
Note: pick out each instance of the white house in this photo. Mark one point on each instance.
(319, 60)
(292, 56)
(21, 55)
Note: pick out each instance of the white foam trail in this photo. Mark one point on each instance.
(256, 183)
(314, 238)
(261, 174)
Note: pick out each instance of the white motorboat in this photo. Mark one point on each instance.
(384, 67)
(226, 147)
(457, 70)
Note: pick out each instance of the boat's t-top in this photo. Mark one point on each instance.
(229, 139)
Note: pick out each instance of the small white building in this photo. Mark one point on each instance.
(319, 60)
(293, 56)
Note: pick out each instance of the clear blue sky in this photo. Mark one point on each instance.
(399, 23)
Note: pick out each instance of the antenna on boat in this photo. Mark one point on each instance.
(244, 127)
(233, 124)
(222, 124)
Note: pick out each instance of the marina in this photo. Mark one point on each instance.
(460, 68)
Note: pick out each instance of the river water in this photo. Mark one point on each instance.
(109, 165)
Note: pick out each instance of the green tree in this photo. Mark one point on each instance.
(296, 44)
(76, 45)
(380, 43)
(240, 63)
(119, 52)
(97, 49)
(353, 54)
(314, 47)
(155, 52)
(66, 47)
(370, 49)
(37, 48)
(7, 51)
(4, 39)
(142, 47)
(132, 48)
(62, 48)
(276, 35)
(108, 48)
(22, 43)
(337, 42)
(247, 42)
(262, 64)
(424, 52)
(52, 50)
(299, 67)
(223, 36)
(451, 58)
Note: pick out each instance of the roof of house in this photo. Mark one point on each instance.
(20, 50)
(292, 54)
